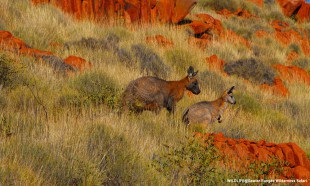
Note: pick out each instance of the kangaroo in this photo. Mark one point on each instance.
(152, 93)
(207, 112)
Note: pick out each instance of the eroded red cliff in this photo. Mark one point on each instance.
(132, 10)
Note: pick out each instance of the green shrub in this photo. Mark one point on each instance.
(92, 88)
(262, 170)
(294, 47)
(8, 72)
(191, 163)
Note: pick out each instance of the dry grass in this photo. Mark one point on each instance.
(48, 136)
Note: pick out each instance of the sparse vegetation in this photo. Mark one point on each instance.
(65, 130)
(252, 70)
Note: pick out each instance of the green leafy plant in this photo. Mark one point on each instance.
(191, 163)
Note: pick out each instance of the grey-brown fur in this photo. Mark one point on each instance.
(207, 112)
(152, 93)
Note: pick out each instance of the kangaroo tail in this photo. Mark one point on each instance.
(185, 117)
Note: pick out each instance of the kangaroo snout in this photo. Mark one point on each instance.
(196, 92)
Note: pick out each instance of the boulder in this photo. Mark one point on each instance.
(215, 63)
(160, 40)
(77, 62)
(247, 152)
(293, 74)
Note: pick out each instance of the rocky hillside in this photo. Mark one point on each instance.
(64, 66)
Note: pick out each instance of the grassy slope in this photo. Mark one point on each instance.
(87, 143)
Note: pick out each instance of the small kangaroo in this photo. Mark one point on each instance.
(152, 93)
(206, 112)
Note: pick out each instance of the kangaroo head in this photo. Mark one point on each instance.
(192, 84)
(228, 96)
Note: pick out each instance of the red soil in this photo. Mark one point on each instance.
(245, 152)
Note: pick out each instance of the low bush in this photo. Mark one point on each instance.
(57, 64)
(252, 70)
(8, 71)
(149, 61)
(191, 163)
(91, 88)
(110, 42)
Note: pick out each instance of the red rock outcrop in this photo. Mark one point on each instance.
(215, 26)
(293, 74)
(287, 36)
(132, 10)
(205, 29)
(10, 43)
(160, 40)
(298, 7)
(239, 13)
(245, 152)
(291, 57)
(289, 6)
(277, 88)
(77, 62)
(304, 12)
(215, 63)
(261, 33)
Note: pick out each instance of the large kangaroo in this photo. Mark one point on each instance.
(206, 112)
(152, 93)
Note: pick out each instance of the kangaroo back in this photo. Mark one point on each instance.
(152, 93)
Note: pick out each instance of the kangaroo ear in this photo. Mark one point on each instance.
(190, 72)
(230, 90)
(195, 73)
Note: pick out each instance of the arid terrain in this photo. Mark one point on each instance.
(65, 64)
